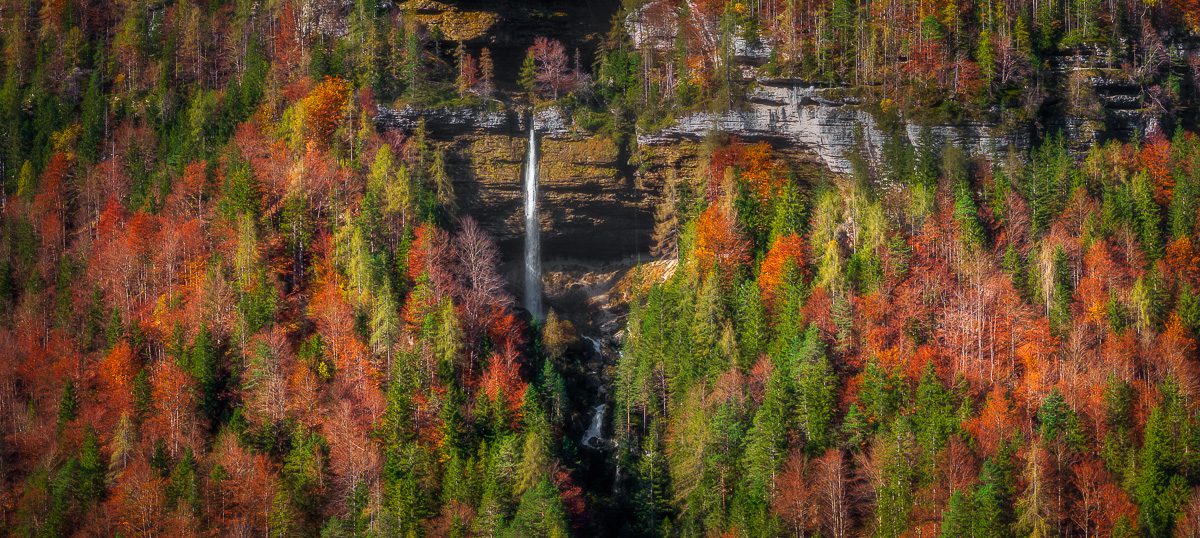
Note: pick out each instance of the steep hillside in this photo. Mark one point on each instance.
(810, 268)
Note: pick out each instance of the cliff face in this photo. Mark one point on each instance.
(1099, 103)
(829, 126)
(590, 207)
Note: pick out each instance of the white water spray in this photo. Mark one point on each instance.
(594, 437)
(533, 239)
(597, 347)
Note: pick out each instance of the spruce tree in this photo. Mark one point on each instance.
(68, 404)
(527, 77)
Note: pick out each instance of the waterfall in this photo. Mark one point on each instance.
(597, 347)
(594, 437)
(533, 239)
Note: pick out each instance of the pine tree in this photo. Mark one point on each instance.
(540, 513)
(652, 496)
(752, 332)
(766, 441)
(442, 183)
(816, 389)
(537, 454)
(203, 363)
(705, 333)
(183, 490)
(1061, 292)
(985, 56)
(1148, 225)
(26, 182)
(1160, 488)
(385, 326)
(992, 498)
(91, 468)
(413, 58)
(92, 118)
(1048, 181)
(527, 77)
(935, 418)
(967, 215)
(68, 404)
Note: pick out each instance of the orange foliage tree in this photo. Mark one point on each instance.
(137, 500)
(325, 108)
(720, 245)
(1183, 262)
(502, 383)
(755, 163)
(761, 171)
(117, 370)
(1155, 157)
(787, 252)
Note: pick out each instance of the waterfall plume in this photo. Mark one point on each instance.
(533, 239)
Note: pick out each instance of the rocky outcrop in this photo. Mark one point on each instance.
(450, 122)
(830, 126)
(452, 22)
(1100, 102)
(1099, 99)
(594, 208)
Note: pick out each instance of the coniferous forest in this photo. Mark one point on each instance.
(812, 268)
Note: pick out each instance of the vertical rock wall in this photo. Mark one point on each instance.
(590, 209)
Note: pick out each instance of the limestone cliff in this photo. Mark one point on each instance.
(830, 126)
(591, 208)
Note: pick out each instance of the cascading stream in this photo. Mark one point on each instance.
(533, 238)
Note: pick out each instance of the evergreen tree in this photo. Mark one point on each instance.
(985, 56)
(527, 76)
(1048, 181)
(1159, 488)
(183, 489)
(303, 473)
(816, 389)
(68, 404)
(1148, 223)
(752, 328)
(652, 496)
(540, 514)
(203, 362)
(1062, 290)
(91, 469)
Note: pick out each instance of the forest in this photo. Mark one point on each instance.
(234, 302)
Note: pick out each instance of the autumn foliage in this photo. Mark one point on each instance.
(720, 246)
(325, 108)
(240, 294)
(784, 259)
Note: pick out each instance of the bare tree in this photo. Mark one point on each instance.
(481, 289)
(830, 484)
